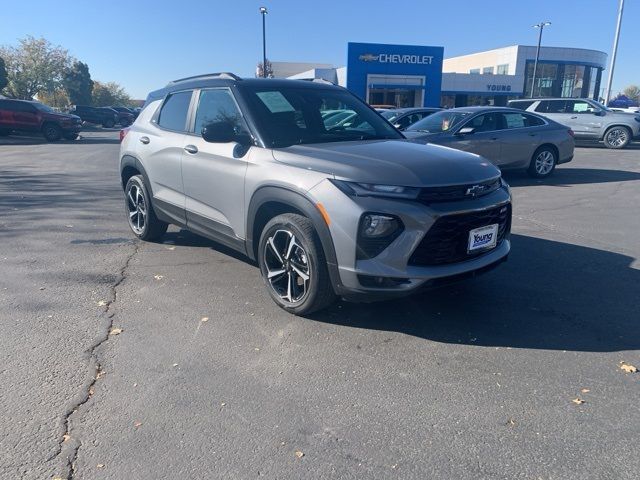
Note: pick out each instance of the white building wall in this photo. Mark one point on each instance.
(480, 60)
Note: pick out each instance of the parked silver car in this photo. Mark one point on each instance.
(354, 211)
(508, 137)
(589, 119)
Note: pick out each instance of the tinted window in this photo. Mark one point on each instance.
(438, 122)
(173, 115)
(521, 105)
(20, 107)
(218, 106)
(487, 122)
(520, 120)
(551, 106)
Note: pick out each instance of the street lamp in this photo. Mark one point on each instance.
(607, 93)
(263, 11)
(541, 26)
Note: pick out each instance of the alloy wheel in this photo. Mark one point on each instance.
(287, 266)
(617, 137)
(137, 209)
(544, 162)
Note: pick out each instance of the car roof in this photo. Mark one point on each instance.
(228, 80)
(413, 109)
(483, 109)
(548, 98)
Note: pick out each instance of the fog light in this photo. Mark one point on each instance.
(378, 225)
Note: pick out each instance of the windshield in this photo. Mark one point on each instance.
(438, 122)
(296, 116)
(43, 108)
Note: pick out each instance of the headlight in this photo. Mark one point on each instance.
(372, 190)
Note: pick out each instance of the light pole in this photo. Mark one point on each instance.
(607, 93)
(541, 26)
(263, 11)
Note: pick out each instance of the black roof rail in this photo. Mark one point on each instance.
(225, 75)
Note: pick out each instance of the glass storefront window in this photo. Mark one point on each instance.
(561, 80)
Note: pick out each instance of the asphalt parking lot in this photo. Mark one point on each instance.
(477, 380)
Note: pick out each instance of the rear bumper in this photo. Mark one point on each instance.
(566, 159)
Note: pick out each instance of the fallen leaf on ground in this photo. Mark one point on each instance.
(204, 319)
(578, 401)
(137, 424)
(585, 390)
(100, 465)
(100, 374)
(511, 422)
(299, 454)
(158, 277)
(102, 303)
(115, 331)
(66, 437)
(222, 404)
(42, 288)
(628, 368)
(175, 364)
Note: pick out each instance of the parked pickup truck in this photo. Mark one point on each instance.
(28, 116)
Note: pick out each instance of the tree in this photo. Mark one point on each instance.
(110, 93)
(259, 69)
(78, 84)
(632, 92)
(35, 65)
(3, 75)
(58, 98)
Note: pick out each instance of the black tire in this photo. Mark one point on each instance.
(108, 123)
(142, 219)
(51, 132)
(306, 256)
(543, 162)
(71, 136)
(617, 137)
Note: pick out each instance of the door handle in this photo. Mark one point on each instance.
(494, 138)
(144, 140)
(573, 118)
(191, 149)
(533, 134)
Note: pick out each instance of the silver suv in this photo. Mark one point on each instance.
(588, 119)
(342, 211)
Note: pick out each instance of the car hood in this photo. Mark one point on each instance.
(62, 116)
(391, 162)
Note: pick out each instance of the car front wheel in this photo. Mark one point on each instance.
(142, 219)
(543, 162)
(617, 137)
(51, 132)
(108, 124)
(293, 265)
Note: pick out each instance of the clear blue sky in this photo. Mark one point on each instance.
(142, 44)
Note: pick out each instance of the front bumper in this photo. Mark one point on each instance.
(393, 268)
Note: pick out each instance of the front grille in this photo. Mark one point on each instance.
(447, 240)
(457, 192)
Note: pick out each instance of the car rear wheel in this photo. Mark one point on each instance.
(142, 219)
(293, 265)
(51, 132)
(108, 123)
(543, 162)
(617, 137)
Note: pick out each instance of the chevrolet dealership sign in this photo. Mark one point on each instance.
(397, 58)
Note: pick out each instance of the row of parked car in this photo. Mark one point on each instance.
(35, 117)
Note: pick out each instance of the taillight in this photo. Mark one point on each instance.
(123, 133)
(571, 133)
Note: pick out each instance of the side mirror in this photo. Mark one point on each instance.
(599, 113)
(218, 132)
(466, 131)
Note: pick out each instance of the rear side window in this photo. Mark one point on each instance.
(173, 115)
(521, 120)
(218, 105)
(552, 106)
(521, 105)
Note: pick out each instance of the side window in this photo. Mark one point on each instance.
(522, 105)
(521, 120)
(578, 106)
(215, 106)
(552, 106)
(485, 123)
(23, 107)
(173, 115)
(532, 120)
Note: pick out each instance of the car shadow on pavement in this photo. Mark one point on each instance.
(565, 177)
(18, 141)
(549, 295)
(185, 238)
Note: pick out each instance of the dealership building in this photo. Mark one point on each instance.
(414, 76)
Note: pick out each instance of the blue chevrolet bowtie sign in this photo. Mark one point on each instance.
(396, 63)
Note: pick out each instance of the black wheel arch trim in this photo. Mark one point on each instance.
(131, 161)
(303, 204)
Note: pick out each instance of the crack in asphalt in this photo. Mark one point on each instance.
(68, 445)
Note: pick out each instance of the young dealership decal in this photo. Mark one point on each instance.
(498, 88)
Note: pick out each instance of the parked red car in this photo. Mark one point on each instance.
(28, 116)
